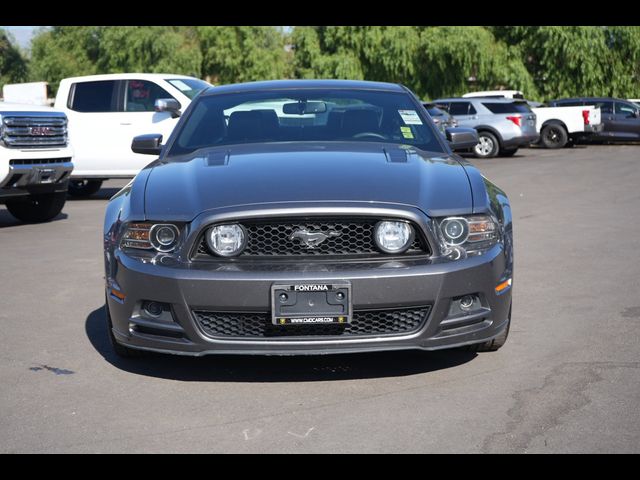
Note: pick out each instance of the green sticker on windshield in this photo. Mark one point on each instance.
(406, 132)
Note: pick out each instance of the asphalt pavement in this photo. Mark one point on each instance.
(568, 379)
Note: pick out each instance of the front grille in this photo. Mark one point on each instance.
(259, 325)
(30, 132)
(40, 161)
(354, 238)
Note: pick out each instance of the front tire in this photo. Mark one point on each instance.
(38, 208)
(554, 136)
(120, 350)
(508, 152)
(84, 188)
(495, 343)
(487, 146)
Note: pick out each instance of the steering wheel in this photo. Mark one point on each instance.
(370, 134)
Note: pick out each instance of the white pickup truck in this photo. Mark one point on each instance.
(557, 126)
(35, 161)
(560, 125)
(106, 111)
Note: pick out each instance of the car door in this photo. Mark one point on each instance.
(626, 120)
(609, 128)
(92, 112)
(138, 117)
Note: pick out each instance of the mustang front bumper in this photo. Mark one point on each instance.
(240, 292)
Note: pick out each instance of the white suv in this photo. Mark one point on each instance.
(105, 112)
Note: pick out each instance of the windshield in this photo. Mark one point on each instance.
(189, 86)
(303, 115)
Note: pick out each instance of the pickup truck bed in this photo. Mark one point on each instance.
(559, 125)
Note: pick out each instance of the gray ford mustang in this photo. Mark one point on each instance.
(307, 217)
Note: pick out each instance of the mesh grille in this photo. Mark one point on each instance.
(351, 237)
(259, 325)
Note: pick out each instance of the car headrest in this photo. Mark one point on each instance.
(359, 121)
(270, 123)
(245, 125)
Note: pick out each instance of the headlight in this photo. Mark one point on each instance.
(467, 235)
(162, 237)
(455, 230)
(393, 237)
(227, 240)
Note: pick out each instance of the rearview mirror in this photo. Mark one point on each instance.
(461, 138)
(304, 108)
(170, 105)
(147, 144)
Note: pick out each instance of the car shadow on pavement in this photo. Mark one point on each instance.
(102, 194)
(247, 368)
(8, 220)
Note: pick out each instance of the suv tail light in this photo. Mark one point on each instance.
(585, 116)
(515, 119)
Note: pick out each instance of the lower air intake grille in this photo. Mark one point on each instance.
(259, 325)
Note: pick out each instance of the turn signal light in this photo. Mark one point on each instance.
(118, 294)
(503, 286)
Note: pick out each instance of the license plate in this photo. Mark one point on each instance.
(46, 175)
(311, 303)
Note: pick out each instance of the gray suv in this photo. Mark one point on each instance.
(503, 125)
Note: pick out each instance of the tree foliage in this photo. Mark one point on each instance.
(545, 62)
(13, 66)
(456, 60)
(149, 49)
(579, 61)
(241, 54)
(71, 51)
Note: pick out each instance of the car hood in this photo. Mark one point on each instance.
(372, 173)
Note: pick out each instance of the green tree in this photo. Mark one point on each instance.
(13, 66)
(433, 61)
(456, 60)
(624, 65)
(72, 51)
(372, 53)
(242, 54)
(64, 52)
(149, 49)
(578, 61)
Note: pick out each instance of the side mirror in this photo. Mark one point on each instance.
(170, 105)
(461, 138)
(147, 144)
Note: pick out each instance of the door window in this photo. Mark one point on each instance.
(93, 97)
(605, 107)
(459, 108)
(141, 96)
(625, 109)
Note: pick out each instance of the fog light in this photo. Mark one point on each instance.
(465, 305)
(153, 309)
(466, 302)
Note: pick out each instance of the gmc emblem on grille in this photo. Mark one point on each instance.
(312, 239)
(40, 131)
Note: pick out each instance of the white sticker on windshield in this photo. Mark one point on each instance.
(180, 85)
(410, 117)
